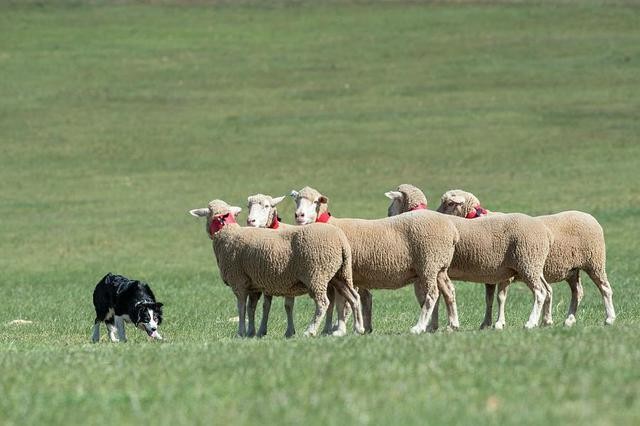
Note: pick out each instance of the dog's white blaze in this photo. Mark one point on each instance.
(152, 322)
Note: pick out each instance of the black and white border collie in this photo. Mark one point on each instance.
(118, 299)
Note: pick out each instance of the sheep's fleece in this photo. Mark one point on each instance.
(578, 245)
(284, 263)
(392, 252)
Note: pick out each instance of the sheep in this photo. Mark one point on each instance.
(408, 197)
(578, 245)
(263, 213)
(290, 262)
(389, 253)
(495, 249)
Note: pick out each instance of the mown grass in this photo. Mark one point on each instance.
(115, 119)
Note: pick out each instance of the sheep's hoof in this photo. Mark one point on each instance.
(530, 325)
(416, 329)
(609, 321)
(451, 328)
(485, 325)
(309, 333)
(547, 323)
(339, 333)
(570, 321)
(289, 334)
(499, 326)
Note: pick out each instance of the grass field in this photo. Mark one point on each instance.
(115, 119)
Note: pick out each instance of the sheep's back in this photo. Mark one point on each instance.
(578, 244)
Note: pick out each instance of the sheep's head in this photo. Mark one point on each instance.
(309, 205)
(262, 210)
(218, 213)
(406, 198)
(457, 202)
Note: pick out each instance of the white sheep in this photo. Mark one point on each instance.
(578, 245)
(495, 249)
(291, 262)
(390, 253)
(263, 213)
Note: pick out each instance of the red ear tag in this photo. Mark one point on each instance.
(421, 206)
(276, 223)
(324, 217)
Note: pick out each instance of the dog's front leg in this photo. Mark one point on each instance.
(120, 327)
(96, 332)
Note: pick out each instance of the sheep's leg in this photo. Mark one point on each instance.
(430, 288)
(503, 289)
(242, 302)
(448, 293)
(600, 280)
(540, 294)
(547, 317)
(288, 307)
(340, 328)
(328, 325)
(366, 300)
(322, 303)
(489, 291)
(419, 291)
(266, 308)
(576, 297)
(352, 297)
(254, 297)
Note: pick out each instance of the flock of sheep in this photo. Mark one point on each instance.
(337, 260)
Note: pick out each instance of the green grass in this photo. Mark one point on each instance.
(115, 119)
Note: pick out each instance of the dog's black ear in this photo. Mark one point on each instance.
(159, 305)
(126, 286)
(107, 278)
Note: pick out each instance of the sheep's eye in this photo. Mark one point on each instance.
(266, 206)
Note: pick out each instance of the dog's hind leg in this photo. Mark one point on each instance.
(96, 331)
(120, 327)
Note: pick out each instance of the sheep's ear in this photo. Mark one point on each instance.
(392, 195)
(294, 194)
(199, 212)
(277, 200)
(235, 210)
(323, 200)
(458, 199)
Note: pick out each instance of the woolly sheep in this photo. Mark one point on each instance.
(286, 263)
(496, 249)
(263, 213)
(408, 197)
(389, 253)
(578, 245)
